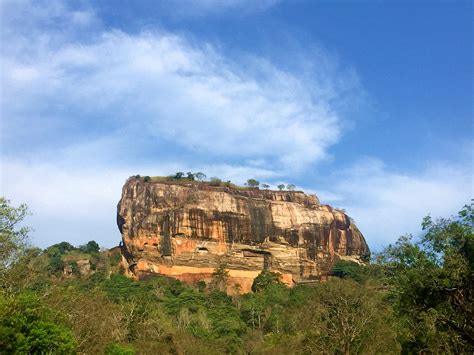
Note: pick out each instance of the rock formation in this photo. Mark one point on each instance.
(186, 229)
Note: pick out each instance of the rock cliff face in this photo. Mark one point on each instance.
(186, 230)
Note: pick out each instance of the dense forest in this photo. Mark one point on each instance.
(416, 296)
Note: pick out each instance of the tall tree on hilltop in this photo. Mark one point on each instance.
(252, 183)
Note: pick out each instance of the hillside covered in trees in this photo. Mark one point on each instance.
(414, 297)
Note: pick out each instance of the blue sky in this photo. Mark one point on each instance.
(368, 104)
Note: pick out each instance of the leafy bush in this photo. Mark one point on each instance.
(215, 181)
(56, 265)
(264, 280)
(91, 247)
(60, 248)
(120, 288)
(28, 327)
(349, 270)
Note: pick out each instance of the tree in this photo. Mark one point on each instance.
(13, 238)
(264, 280)
(179, 175)
(28, 327)
(291, 187)
(349, 270)
(432, 284)
(60, 248)
(90, 248)
(265, 186)
(200, 176)
(219, 278)
(281, 187)
(252, 183)
(343, 317)
(190, 175)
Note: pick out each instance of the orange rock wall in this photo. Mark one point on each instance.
(185, 231)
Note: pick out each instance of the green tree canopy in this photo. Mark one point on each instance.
(13, 237)
(200, 176)
(252, 183)
(28, 327)
(264, 280)
(432, 284)
(90, 247)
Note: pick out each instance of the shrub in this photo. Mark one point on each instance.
(91, 247)
(56, 264)
(28, 327)
(215, 181)
(349, 270)
(264, 280)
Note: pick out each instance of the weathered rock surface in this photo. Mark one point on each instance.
(186, 230)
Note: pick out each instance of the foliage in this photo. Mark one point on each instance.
(344, 317)
(13, 238)
(265, 186)
(200, 176)
(431, 283)
(179, 175)
(215, 181)
(118, 349)
(28, 327)
(349, 270)
(281, 187)
(60, 248)
(120, 288)
(252, 183)
(219, 278)
(56, 264)
(91, 247)
(291, 187)
(416, 298)
(264, 280)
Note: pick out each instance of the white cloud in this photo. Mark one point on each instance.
(181, 92)
(388, 204)
(80, 116)
(73, 202)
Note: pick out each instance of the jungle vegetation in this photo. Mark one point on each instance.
(414, 297)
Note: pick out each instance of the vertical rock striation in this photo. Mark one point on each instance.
(185, 230)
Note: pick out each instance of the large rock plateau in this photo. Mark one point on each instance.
(186, 229)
